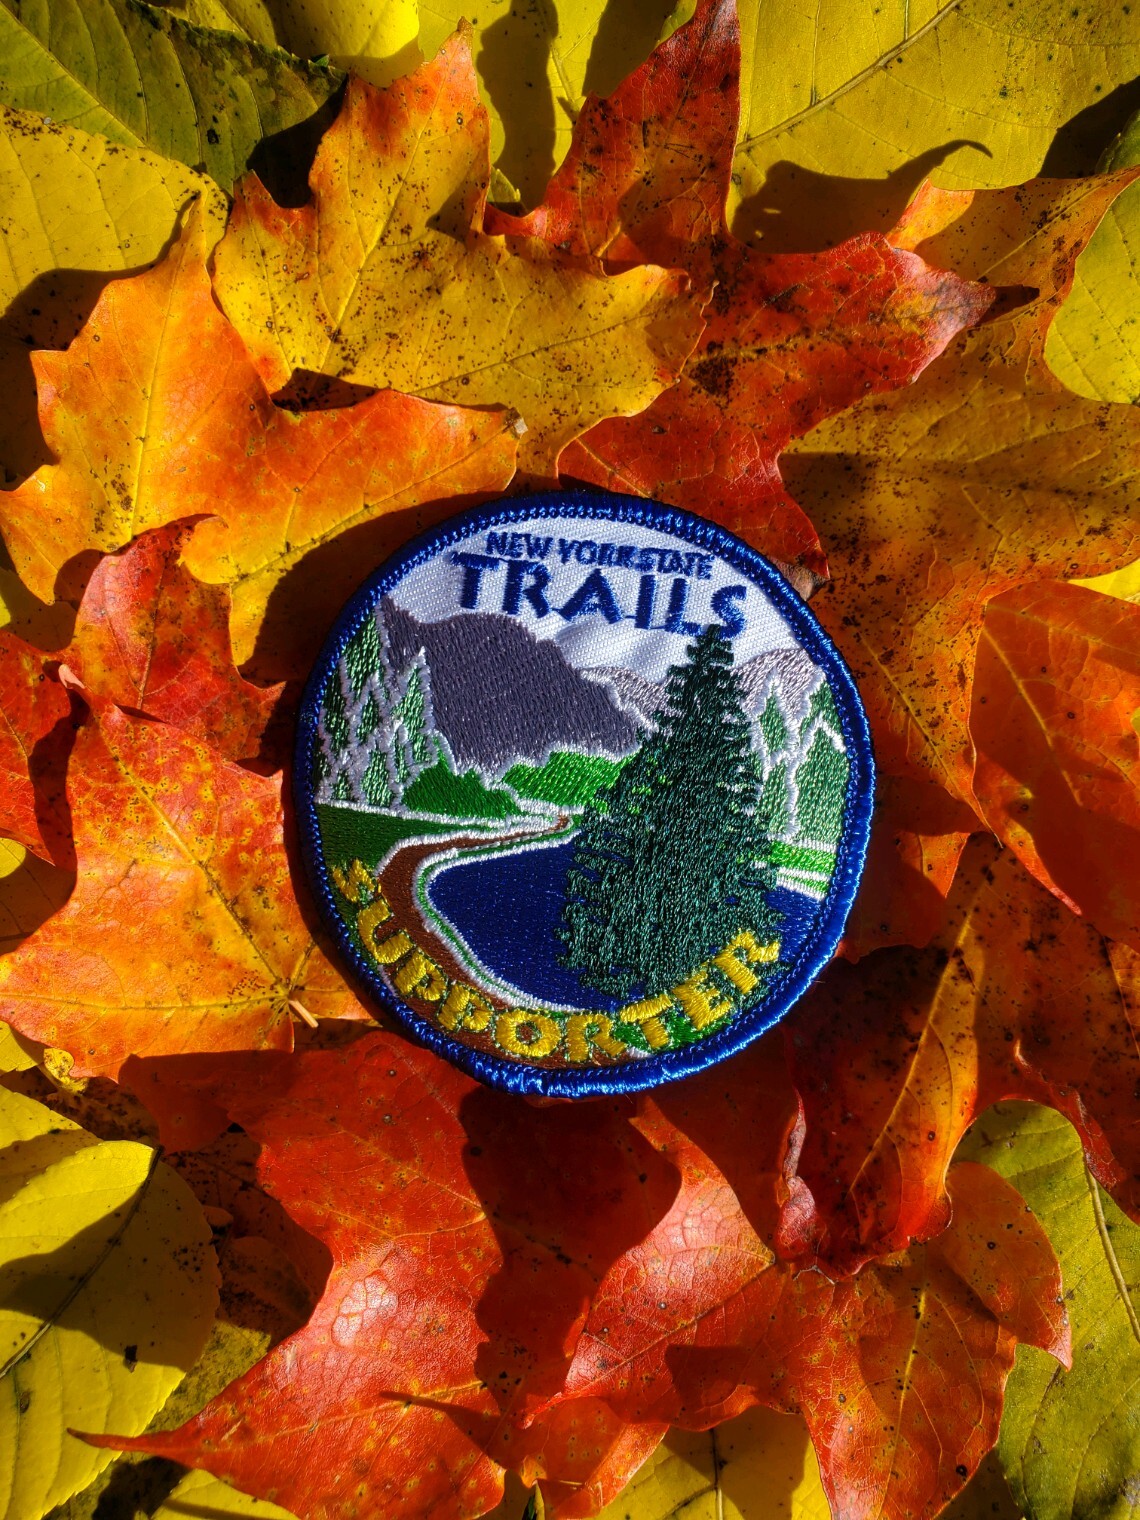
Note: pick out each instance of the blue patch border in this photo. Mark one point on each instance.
(851, 854)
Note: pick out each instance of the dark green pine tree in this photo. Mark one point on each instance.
(667, 862)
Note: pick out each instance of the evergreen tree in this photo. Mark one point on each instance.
(375, 726)
(666, 865)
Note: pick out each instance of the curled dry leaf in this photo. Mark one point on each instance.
(1056, 724)
(328, 491)
(183, 932)
(387, 278)
(788, 340)
(895, 1057)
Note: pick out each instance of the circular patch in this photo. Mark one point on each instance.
(584, 791)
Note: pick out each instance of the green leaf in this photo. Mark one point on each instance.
(108, 1285)
(142, 77)
(1094, 343)
(1070, 1441)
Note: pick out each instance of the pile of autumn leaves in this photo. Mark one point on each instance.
(547, 1289)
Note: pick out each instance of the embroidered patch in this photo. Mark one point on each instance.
(584, 791)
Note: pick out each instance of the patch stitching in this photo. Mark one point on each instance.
(823, 936)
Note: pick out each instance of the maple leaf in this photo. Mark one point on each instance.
(1056, 723)
(464, 1255)
(155, 413)
(151, 637)
(183, 931)
(868, 1361)
(387, 277)
(895, 1057)
(918, 833)
(987, 473)
(789, 339)
(31, 705)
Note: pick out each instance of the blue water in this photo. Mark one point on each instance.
(508, 907)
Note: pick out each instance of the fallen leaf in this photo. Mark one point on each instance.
(1052, 1417)
(151, 637)
(199, 1494)
(895, 1057)
(903, 1391)
(864, 1360)
(31, 890)
(846, 111)
(464, 1253)
(387, 279)
(788, 340)
(377, 39)
(287, 486)
(1094, 345)
(183, 932)
(1056, 725)
(985, 472)
(141, 77)
(536, 65)
(760, 1466)
(78, 209)
(109, 1292)
(32, 702)
(918, 833)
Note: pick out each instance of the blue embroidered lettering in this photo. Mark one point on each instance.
(671, 562)
(606, 553)
(646, 593)
(586, 552)
(675, 616)
(537, 548)
(647, 559)
(625, 556)
(731, 617)
(593, 595)
(514, 590)
(704, 567)
(473, 567)
(518, 545)
(497, 543)
(566, 548)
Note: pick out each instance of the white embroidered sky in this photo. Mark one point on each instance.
(433, 591)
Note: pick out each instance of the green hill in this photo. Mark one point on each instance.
(567, 779)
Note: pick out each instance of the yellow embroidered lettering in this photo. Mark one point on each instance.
(648, 1014)
(385, 951)
(702, 1000)
(586, 1029)
(357, 886)
(526, 1032)
(420, 977)
(740, 955)
(368, 920)
(464, 1008)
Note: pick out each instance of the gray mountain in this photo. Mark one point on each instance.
(500, 695)
(788, 672)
